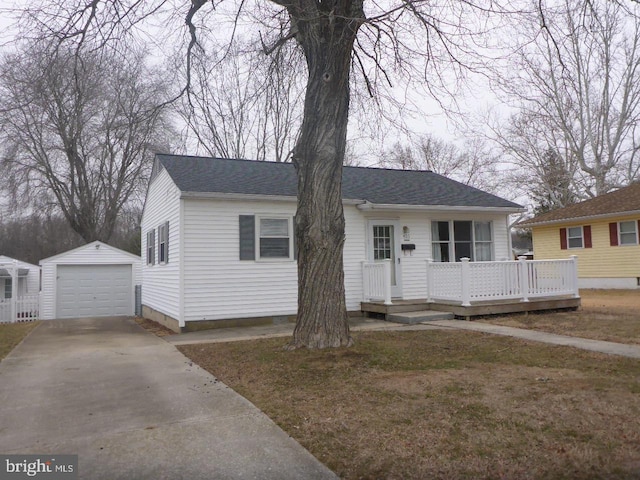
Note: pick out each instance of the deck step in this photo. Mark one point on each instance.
(419, 316)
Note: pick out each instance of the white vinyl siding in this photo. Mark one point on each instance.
(354, 253)
(206, 280)
(161, 283)
(217, 284)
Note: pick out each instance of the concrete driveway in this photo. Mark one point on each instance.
(133, 407)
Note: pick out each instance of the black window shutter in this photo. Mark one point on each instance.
(153, 247)
(295, 240)
(247, 237)
(166, 242)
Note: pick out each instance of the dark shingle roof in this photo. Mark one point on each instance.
(376, 185)
(619, 202)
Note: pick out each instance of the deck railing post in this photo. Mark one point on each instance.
(429, 279)
(523, 272)
(574, 276)
(365, 283)
(14, 292)
(387, 282)
(465, 282)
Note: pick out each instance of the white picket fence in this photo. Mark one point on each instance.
(376, 281)
(21, 309)
(465, 282)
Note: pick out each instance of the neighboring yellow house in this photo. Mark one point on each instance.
(603, 232)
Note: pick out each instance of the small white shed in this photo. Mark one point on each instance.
(94, 280)
(19, 290)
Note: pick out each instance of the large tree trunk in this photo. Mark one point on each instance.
(327, 41)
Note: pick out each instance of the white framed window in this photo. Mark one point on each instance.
(453, 240)
(628, 232)
(163, 243)
(440, 247)
(483, 241)
(151, 247)
(575, 237)
(274, 239)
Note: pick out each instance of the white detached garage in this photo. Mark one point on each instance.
(94, 280)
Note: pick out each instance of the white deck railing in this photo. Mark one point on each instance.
(465, 282)
(376, 281)
(23, 309)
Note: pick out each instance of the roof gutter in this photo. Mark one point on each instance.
(438, 208)
(360, 204)
(580, 219)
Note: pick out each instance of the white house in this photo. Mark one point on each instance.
(19, 289)
(93, 280)
(218, 244)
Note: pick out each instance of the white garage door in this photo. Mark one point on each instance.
(93, 291)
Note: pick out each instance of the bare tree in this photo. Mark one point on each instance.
(240, 106)
(80, 132)
(579, 79)
(415, 40)
(40, 235)
(472, 164)
(543, 168)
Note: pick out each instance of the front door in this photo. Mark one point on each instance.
(384, 245)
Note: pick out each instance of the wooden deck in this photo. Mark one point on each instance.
(475, 310)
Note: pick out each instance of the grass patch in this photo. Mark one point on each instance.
(444, 404)
(611, 315)
(11, 334)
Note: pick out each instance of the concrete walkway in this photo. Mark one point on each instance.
(364, 324)
(133, 407)
(221, 335)
(612, 348)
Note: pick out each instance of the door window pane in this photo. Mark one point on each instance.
(382, 242)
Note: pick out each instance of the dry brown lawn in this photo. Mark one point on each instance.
(11, 334)
(612, 315)
(154, 327)
(444, 404)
